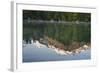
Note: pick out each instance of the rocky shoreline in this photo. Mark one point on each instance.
(73, 52)
(61, 51)
(59, 48)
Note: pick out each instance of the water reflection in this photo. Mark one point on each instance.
(36, 47)
(36, 53)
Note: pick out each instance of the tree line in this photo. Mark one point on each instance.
(53, 15)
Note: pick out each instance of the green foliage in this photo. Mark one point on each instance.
(64, 33)
(61, 32)
(51, 15)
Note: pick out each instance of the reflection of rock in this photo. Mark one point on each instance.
(73, 52)
(43, 41)
(73, 46)
(61, 49)
(69, 52)
(85, 47)
(61, 52)
(76, 51)
(81, 49)
(57, 50)
(38, 44)
(58, 47)
(54, 42)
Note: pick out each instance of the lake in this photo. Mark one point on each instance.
(31, 53)
(63, 30)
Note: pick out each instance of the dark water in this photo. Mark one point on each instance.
(33, 54)
(61, 32)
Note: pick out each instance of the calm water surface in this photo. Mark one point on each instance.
(31, 53)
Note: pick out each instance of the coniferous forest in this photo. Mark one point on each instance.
(64, 30)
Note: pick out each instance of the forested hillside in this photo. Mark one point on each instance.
(73, 33)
